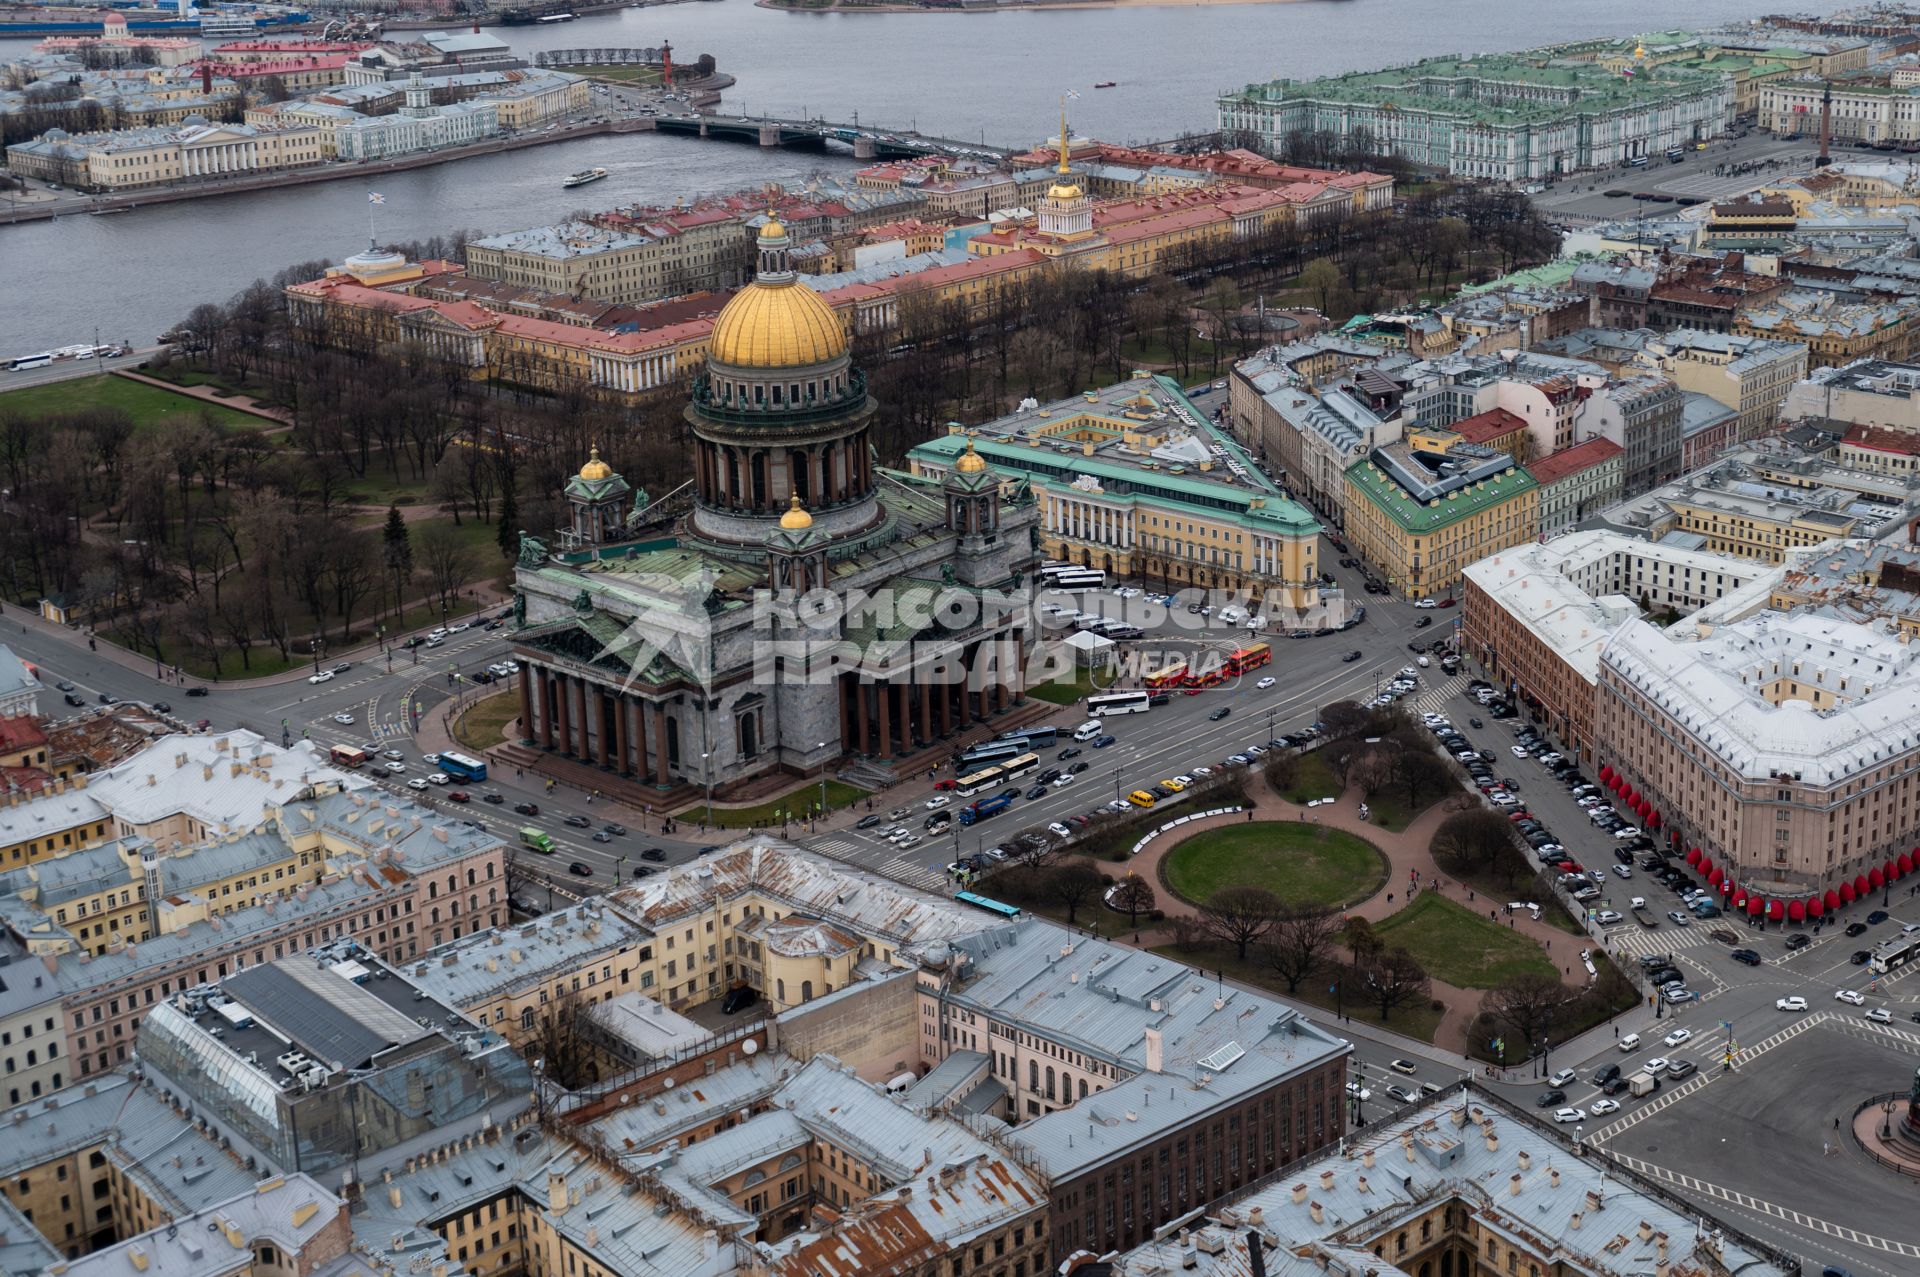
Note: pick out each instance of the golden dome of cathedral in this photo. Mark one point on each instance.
(595, 469)
(776, 321)
(970, 462)
(796, 519)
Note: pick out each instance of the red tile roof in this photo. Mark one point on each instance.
(20, 732)
(1556, 466)
(1483, 427)
(1881, 439)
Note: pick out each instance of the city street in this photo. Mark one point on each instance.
(1582, 199)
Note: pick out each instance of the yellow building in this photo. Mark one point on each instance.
(1747, 374)
(1835, 331)
(1755, 527)
(1421, 524)
(54, 823)
(534, 98)
(1130, 479)
(128, 159)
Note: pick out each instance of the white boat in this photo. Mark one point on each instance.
(584, 176)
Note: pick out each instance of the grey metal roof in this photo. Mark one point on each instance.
(486, 964)
(328, 1016)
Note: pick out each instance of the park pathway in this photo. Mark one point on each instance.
(1410, 863)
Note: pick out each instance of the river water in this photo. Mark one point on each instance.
(994, 76)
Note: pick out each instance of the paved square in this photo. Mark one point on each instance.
(1750, 1145)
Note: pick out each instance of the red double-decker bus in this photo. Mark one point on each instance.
(1171, 676)
(1249, 658)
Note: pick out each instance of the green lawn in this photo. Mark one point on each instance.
(146, 405)
(796, 804)
(1418, 1020)
(482, 724)
(1299, 863)
(1460, 947)
(1311, 779)
(619, 74)
(1085, 683)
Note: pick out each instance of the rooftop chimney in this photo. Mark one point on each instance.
(1154, 1051)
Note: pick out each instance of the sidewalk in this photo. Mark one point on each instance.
(1408, 852)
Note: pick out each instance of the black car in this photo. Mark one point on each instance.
(108, 698)
(738, 1000)
(1076, 769)
(1614, 1087)
(580, 869)
(1101, 742)
(1157, 699)
(1874, 919)
(1011, 792)
(578, 822)
(643, 871)
(867, 822)
(1423, 623)
(1747, 956)
(527, 809)
(1548, 1099)
(75, 700)
(495, 799)
(1350, 658)
(1859, 957)
(64, 685)
(1606, 1074)
(1065, 754)
(939, 820)
(1799, 940)
(1856, 928)
(163, 707)
(484, 676)
(654, 854)
(1038, 791)
(196, 691)
(1219, 714)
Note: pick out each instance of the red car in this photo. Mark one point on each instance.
(457, 796)
(1448, 602)
(946, 784)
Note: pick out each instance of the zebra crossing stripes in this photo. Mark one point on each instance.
(838, 848)
(1641, 943)
(900, 869)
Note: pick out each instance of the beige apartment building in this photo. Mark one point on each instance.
(128, 159)
(1751, 375)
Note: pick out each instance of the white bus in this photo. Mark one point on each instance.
(20, 362)
(1080, 579)
(1117, 703)
(1893, 954)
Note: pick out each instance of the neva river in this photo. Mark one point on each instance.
(995, 76)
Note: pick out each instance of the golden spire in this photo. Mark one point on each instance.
(1063, 170)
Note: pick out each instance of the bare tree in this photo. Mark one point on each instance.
(1371, 771)
(1300, 943)
(1360, 940)
(1240, 916)
(1135, 895)
(1470, 841)
(1393, 979)
(560, 1040)
(446, 559)
(1526, 1004)
(1073, 883)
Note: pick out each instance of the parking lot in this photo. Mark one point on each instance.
(1698, 177)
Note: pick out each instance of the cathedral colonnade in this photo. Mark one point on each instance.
(605, 726)
(886, 717)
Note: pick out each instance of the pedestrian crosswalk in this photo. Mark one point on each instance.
(900, 869)
(838, 848)
(1638, 942)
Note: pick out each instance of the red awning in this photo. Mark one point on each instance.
(1796, 911)
(1861, 885)
(1906, 862)
(1715, 878)
(1706, 864)
(1847, 893)
(1726, 886)
(1831, 900)
(1893, 870)
(1754, 906)
(1814, 908)
(1606, 773)
(1654, 820)
(1876, 879)
(1693, 855)
(1739, 900)
(1776, 910)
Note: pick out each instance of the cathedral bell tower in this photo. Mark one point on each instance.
(973, 497)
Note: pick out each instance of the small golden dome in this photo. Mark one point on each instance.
(970, 462)
(1063, 191)
(596, 469)
(796, 519)
(773, 229)
(776, 325)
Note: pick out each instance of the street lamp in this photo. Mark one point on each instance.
(823, 785)
(706, 771)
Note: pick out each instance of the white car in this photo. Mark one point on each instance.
(324, 676)
(1359, 1092)
(459, 627)
(1794, 1003)
(1561, 1078)
(1263, 684)
(345, 720)
(1600, 1108)
(429, 758)
(909, 840)
(1880, 1015)
(1570, 1115)
(1849, 997)
(937, 801)
(416, 783)
(1184, 780)
(1424, 604)
(396, 768)
(1203, 771)
(1516, 751)
(1607, 917)
(1059, 830)
(1063, 780)
(439, 778)
(995, 853)
(1656, 1066)
(1678, 1036)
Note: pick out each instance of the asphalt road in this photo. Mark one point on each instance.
(1583, 199)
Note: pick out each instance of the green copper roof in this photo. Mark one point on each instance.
(1416, 518)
